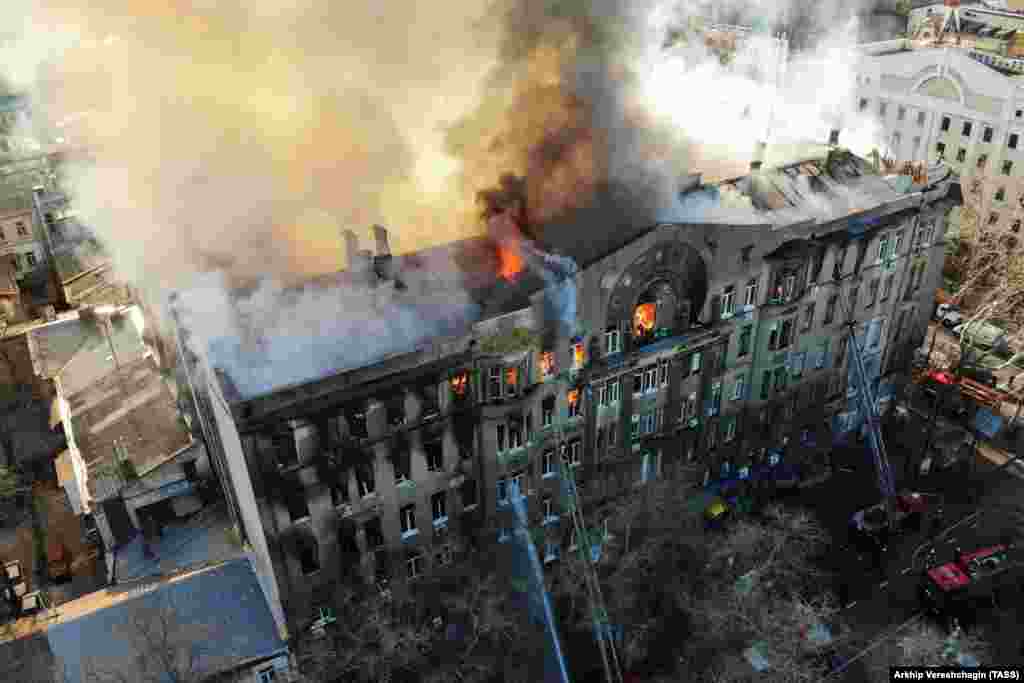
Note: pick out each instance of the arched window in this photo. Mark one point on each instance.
(656, 313)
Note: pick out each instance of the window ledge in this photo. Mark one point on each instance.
(549, 475)
(550, 520)
(470, 508)
(441, 522)
(410, 534)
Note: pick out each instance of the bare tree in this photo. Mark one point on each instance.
(923, 644)
(988, 258)
(159, 646)
(374, 639)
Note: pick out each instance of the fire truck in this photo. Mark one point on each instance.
(870, 528)
(954, 590)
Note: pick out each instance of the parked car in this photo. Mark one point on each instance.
(984, 335)
(982, 375)
(943, 309)
(952, 319)
(949, 449)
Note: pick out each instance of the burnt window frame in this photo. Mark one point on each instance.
(441, 496)
(433, 454)
(309, 557)
(467, 486)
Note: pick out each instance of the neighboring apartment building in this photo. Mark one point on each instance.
(961, 98)
(718, 346)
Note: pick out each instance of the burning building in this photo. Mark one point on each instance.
(634, 352)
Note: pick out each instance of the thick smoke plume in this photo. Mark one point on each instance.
(240, 137)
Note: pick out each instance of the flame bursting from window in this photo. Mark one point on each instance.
(577, 355)
(547, 363)
(511, 376)
(459, 384)
(510, 262)
(643, 319)
(574, 397)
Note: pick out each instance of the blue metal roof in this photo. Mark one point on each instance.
(219, 614)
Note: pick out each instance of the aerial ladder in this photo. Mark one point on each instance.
(558, 273)
(869, 407)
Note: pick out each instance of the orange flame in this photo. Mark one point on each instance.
(510, 263)
(577, 355)
(459, 384)
(511, 375)
(574, 397)
(643, 319)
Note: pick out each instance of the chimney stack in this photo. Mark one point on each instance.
(351, 248)
(758, 159)
(833, 137)
(364, 259)
(380, 235)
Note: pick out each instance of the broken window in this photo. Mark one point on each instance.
(578, 356)
(284, 449)
(511, 381)
(612, 340)
(429, 403)
(786, 334)
(781, 377)
(434, 452)
(830, 309)
(575, 405)
(407, 516)
(547, 364)
(468, 493)
(808, 316)
(494, 383)
(743, 347)
(295, 499)
(499, 436)
(365, 479)
(309, 556)
(547, 411)
(728, 299)
(515, 432)
(414, 564)
(355, 418)
(460, 385)
(401, 461)
(572, 455)
(548, 463)
(439, 507)
(872, 293)
(339, 489)
(750, 294)
(394, 408)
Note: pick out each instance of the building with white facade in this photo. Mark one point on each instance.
(960, 96)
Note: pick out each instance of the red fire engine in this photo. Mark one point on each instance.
(954, 589)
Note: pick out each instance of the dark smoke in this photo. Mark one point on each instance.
(578, 151)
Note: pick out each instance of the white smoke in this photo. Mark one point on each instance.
(277, 336)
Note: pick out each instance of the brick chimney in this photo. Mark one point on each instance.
(351, 248)
(380, 236)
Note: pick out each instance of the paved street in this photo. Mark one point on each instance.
(883, 598)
